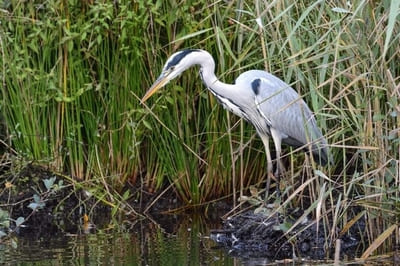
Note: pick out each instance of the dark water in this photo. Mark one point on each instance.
(140, 243)
(170, 241)
(115, 249)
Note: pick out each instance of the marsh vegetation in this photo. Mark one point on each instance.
(72, 74)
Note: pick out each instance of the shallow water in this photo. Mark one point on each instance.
(141, 243)
(170, 241)
(114, 249)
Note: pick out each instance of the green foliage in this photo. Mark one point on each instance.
(6, 230)
(4, 222)
(66, 94)
(72, 74)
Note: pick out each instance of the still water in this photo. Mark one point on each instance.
(180, 241)
(172, 240)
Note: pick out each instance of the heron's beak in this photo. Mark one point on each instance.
(158, 84)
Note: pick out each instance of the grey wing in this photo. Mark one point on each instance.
(287, 113)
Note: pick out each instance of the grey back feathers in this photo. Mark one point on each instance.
(285, 110)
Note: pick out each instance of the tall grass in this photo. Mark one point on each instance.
(66, 87)
(72, 74)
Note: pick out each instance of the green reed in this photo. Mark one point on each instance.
(333, 56)
(72, 74)
(66, 94)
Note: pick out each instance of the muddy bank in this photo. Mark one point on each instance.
(51, 206)
(48, 205)
(270, 236)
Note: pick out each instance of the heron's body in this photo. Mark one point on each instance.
(272, 106)
(276, 106)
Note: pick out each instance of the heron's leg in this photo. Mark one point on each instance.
(265, 140)
(279, 168)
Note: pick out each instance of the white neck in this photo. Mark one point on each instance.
(229, 95)
(207, 72)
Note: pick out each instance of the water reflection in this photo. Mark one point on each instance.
(178, 241)
(172, 240)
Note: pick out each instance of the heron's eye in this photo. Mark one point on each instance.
(172, 68)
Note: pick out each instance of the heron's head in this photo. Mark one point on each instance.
(175, 65)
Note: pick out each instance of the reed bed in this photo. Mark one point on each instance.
(72, 74)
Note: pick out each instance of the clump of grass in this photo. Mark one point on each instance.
(342, 59)
(72, 75)
(66, 89)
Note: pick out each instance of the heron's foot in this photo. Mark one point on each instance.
(278, 191)
(276, 178)
(269, 177)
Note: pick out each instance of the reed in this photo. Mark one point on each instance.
(72, 74)
(67, 81)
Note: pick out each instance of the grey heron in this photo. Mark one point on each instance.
(272, 106)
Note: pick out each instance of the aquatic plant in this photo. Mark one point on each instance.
(72, 74)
